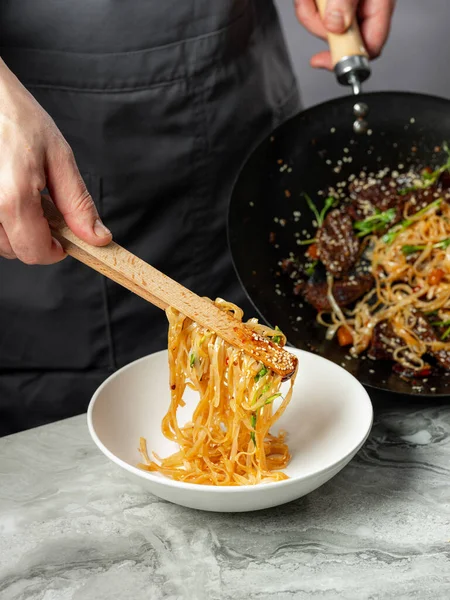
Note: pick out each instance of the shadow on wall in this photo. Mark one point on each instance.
(415, 58)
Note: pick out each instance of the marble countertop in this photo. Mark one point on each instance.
(74, 527)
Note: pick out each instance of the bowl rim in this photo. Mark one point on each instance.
(165, 481)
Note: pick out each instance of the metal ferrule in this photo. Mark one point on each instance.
(352, 70)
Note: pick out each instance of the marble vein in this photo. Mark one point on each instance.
(74, 527)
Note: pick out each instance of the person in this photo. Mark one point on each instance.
(138, 115)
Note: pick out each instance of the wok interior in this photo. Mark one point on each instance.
(311, 152)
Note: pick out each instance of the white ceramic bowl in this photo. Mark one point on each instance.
(327, 421)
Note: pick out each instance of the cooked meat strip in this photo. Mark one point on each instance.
(345, 291)
(337, 244)
(366, 197)
(426, 332)
(379, 348)
(444, 181)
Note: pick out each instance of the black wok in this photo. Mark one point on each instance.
(404, 129)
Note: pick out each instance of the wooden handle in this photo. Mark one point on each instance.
(345, 44)
(136, 275)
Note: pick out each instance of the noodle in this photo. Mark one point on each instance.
(228, 439)
(401, 268)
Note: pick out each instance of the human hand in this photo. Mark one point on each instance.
(374, 17)
(34, 155)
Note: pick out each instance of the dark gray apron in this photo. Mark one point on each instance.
(161, 102)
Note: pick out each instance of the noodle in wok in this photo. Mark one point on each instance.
(378, 269)
(412, 275)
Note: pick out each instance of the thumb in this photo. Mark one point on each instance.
(69, 193)
(339, 15)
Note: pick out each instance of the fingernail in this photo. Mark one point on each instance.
(57, 244)
(335, 20)
(100, 230)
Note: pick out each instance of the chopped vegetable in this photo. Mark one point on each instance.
(272, 398)
(192, 360)
(253, 424)
(265, 389)
(344, 336)
(443, 324)
(277, 338)
(429, 177)
(435, 277)
(261, 373)
(440, 323)
(261, 393)
(329, 203)
(390, 236)
(411, 249)
(320, 216)
(306, 242)
(375, 222)
(313, 252)
(310, 269)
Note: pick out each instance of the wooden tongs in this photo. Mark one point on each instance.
(136, 275)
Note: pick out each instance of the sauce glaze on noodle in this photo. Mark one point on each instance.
(227, 442)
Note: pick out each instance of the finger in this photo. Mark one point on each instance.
(322, 60)
(309, 16)
(5, 247)
(375, 17)
(339, 15)
(29, 234)
(69, 193)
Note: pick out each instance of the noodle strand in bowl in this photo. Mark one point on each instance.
(228, 439)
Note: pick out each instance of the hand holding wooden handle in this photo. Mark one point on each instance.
(128, 270)
(345, 44)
